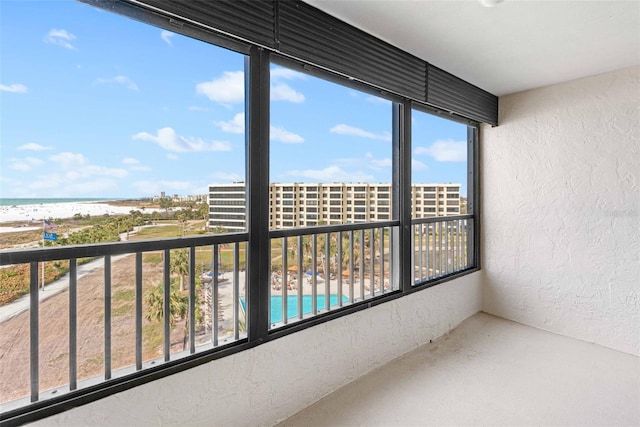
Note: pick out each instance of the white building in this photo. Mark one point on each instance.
(308, 204)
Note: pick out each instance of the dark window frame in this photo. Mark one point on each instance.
(257, 64)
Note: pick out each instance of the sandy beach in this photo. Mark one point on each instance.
(60, 210)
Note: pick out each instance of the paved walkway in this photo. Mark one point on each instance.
(16, 307)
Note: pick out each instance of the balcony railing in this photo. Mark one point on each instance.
(442, 246)
(314, 271)
(139, 286)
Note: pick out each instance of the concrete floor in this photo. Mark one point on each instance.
(490, 371)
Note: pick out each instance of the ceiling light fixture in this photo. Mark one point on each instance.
(490, 3)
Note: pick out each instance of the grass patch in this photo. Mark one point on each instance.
(124, 295)
(152, 336)
(158, 232)
(122, 309)
(91, 366)
(153, 258)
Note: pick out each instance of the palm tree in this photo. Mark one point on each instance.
(178, 304)
(165, 203)
(180, 265)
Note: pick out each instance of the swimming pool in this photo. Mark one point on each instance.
(292, 305)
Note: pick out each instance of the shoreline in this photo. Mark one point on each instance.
(63, 210)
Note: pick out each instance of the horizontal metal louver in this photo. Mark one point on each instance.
(310, 34)
(447, 91)
(252, 20)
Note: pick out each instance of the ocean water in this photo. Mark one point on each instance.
(18, 202)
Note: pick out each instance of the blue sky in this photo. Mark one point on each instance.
(97, 105)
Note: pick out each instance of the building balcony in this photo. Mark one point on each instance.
(524, 312)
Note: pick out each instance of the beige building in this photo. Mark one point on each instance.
(307, 204)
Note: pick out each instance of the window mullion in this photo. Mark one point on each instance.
(402, 190)
(473, 196)
(257, 143)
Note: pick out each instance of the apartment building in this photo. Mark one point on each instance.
(311, 204)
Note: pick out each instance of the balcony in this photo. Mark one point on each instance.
(527, 314)
(489, 371)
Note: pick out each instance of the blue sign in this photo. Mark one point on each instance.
(50, 236)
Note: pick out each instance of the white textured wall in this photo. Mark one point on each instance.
(273, 381)
(561, 209)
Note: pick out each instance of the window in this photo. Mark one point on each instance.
(317, 124)
(177, 122)
(439, 148)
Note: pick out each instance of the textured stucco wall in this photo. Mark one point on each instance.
(273, 381)
(561, 209)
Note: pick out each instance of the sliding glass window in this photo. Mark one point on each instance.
(438, 196)
(115, 132)
(330, 166)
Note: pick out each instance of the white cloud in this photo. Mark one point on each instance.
(24, 165)
(227, 177)
(331, 174)
(94, 186)
(378, 164)
(61, 38)
(149, 188)
(343, 129)
(67, 159)
(417, 165)
(228, 89)
(20, 166)
(32, 146)
(76, 166)
(285, 73)
(134, 165)
(446, 151)
(281, 134)
(378, 100)
(59, 186)
(166, 36)
(14, 88)
(277, 133)
(235, 125)
(123, 80)
(34, 161)
(282, 92)
(168, 139)
(367, 162)
(67, 174)
(172, 157)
